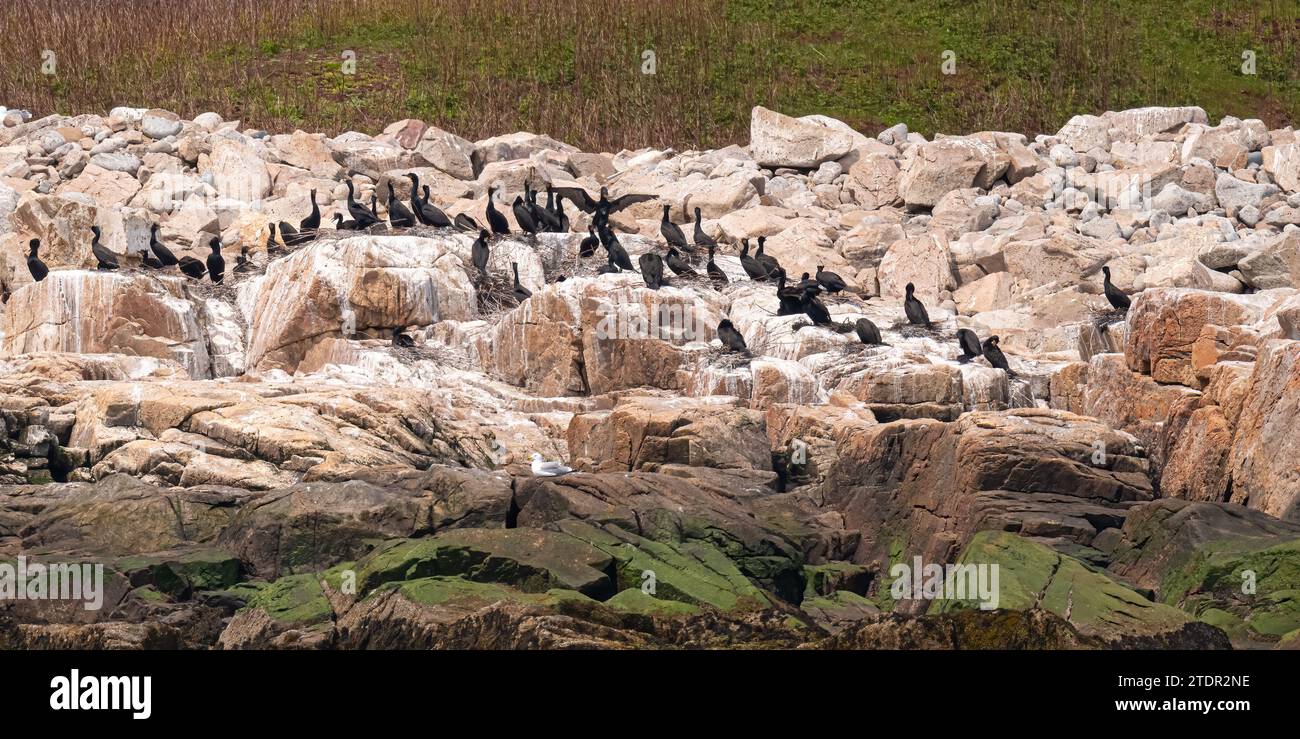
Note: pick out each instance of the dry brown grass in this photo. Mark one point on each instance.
(479, 67)
(572, 69)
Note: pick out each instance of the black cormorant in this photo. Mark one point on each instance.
(496, 221)
(521, 293)
(994, 355)
(34, 264)
(970, 345)
(832, 282)
(479, 253)
(867, 332)
(915, 309)
(715, 272)
(105, 258)
(731, 338)
(652, 270)
(1118, 300)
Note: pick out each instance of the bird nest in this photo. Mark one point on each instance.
(914, 331)
(1103, 318)
(496, 295)
(437, 354)
(728, 359)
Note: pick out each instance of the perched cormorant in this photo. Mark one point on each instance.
(339, 224)
(360, 214)
(496, 221)
(523, 217)
(521, 293)
(791, 298)
(754, 268)
(767, 260)
(462, 221)
(431, 214)
(970, 345)
(192, 267)
(106, 258)
(164, 255)
(243, 263)
(479, 253)
(417, 205)
(589, 244)
(616, 250)
(609, 267)
(399, 216)
(806, 282)
(915, 309)
(600, 208)
(731, 338)
(1118, 300)
(671, 232)
(312, 221)
(715, 272)
(402, 339)
(546, 218)
(291, 236)
(652, 270)
(830, 281)
(148, 259)
(216, 262)
(815, 309)
(994, 355)
(34, 264)
(534, 210)
(701, 238)
(678, 264)
(867, 332)
(559, 213)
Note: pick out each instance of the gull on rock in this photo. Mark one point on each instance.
(542, 468)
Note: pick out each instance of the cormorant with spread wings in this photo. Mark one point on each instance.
(603, 207)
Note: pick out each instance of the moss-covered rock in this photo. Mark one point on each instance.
(1228, 566)
(1031, 575)
(436, 591)
(687, 572)
(825, 579)
(531, 560)
(633, 600)
(293, 600)
(180, 572)
(838, 610)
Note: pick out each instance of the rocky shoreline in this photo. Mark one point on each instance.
(256, 465)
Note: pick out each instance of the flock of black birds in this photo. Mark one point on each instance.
(801, 297)
(158, 256)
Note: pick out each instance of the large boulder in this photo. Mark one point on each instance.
(1283, 164)
(1265, 474)
(1225, 565)
(351, 285)
(924, 261)
(1277, 264)
(777, 140)
(924, 488)
(953, 163)
(642, 433)
(107, 312)
(1032, 575)
(591, 336)
(237, 171)
(1165, 323)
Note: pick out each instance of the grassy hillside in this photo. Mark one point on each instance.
(574, 69)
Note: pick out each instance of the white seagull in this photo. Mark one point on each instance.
(542, 468)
